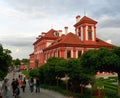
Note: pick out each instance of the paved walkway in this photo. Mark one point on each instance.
(43, 92)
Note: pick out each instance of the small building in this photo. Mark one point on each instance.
(68, 45)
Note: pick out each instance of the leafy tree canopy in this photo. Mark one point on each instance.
(5, 61)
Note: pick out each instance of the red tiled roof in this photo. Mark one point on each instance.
(73, 40)
(85, 19)
(102, 43)
(50, 34)
(70, 38)
(31, 54)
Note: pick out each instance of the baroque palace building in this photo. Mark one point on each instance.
(68, 45)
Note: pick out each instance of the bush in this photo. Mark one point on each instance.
(67, 93)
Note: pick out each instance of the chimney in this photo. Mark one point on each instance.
(77, 18)
(43, 33)
(37, 38)
(66, 30)
(60, 32)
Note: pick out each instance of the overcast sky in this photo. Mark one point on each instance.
(21, 21)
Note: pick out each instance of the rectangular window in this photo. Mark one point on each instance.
(89, 36)
(58, 53)
(54, 54)
(79, 53)
(68, 54)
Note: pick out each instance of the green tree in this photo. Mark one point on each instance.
(17, 62)
(89, 61)
(116, 68)
(102, 60)
(56, 68)
(5, 61)
(53, 70)
(34, 73)
(25, 61)
(77, 74)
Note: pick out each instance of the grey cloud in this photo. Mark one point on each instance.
(18, 41)
(109, 34)
(110, 23)
(50, 7)
(96, 7)
(108, 7)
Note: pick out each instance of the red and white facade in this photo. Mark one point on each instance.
(55, 44)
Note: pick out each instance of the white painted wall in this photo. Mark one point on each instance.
(72, 54)
(93, 33)
(81, 33)
(86, 32)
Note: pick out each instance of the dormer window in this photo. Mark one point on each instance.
(89, 32)
(56, 33)
(89, 36)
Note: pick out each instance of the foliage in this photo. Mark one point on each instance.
(34, 73)
(77, 74)
(102, 59)
(5, 61)
(26, 73)
(81, 70)
(25, 61)
(17, 62)
(89, 61)
(65, 92)
(57, 68)
(53, 69)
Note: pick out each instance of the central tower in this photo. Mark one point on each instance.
(85, 29)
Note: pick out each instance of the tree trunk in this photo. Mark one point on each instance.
(57, 81)
(81, 90)
(100, 94)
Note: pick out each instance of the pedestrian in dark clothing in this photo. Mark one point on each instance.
(37, 85)
(31, 84)
(14, 85)
(19, 76)
(23, 85)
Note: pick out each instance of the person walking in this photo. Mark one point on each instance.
(20, 81)
(31, 84)
(23, 85)
(14, 85)
(5, 87)
(37, 85)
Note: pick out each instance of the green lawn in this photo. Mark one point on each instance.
(110, 87)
